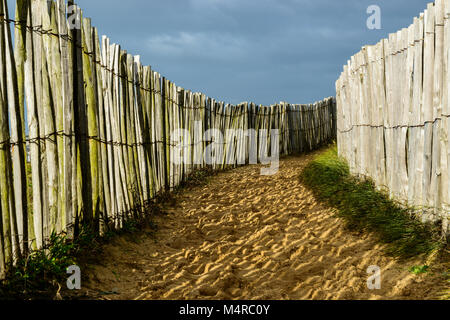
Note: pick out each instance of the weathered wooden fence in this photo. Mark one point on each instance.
(101, 129)
(393, 113)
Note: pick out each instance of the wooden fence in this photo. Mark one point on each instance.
(100, 129)
(393, 113)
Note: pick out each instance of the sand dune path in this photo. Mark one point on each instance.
(247, 236)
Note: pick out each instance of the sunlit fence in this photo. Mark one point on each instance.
(393, 113)
(104, 134)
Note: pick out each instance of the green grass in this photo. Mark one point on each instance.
(366, 209)
(419, 269)
(38, 275)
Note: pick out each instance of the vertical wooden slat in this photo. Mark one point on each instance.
(435, 191)
(153, 137)
(84, 196)
(123, 120)
(119, 163)
(56, 87)
(147, 133)
(104, 184)
(417, 117)
(31, 89)
(445, 142)
(19, 221)
(20, 33)
(91, 214)
(68, 114)
(8, 214)
(50, 133)
(107, 80)
(428, 84)
(158, 120)
(405, 92)
(130, 129)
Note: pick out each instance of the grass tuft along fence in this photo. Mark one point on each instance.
(101, 129)
(394, 114)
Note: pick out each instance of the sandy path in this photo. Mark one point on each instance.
(247, 236)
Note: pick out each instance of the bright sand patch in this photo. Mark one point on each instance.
(247, 236)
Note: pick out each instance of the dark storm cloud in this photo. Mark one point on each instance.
(248, 50)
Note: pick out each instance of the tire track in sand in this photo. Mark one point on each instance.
(247, 236)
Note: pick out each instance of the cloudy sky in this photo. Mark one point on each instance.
(263, 51)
